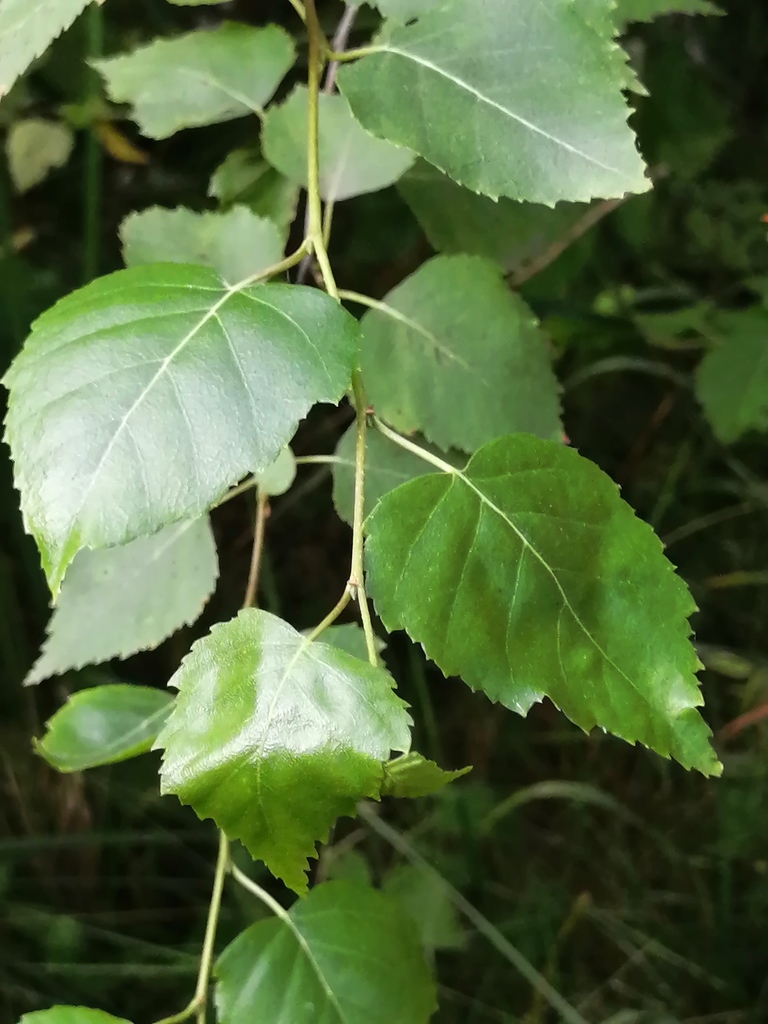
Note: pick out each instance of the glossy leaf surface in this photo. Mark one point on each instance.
(346, 955)
(200, 78)
(528, 576)
(102, 725)
(236, 244)
(26, 31)
(454, 355)
(412, 775)
(275, 737)
(117, 601)
(351, 161)
(138, 400)
(540, 117)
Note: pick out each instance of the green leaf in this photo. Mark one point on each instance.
(424, 898)
(236, 244)
(412, 775)
(528, 576)
(27, 30)
(71, 1015)
(200, 78)
(456, 220)
(551, 126)
(647, 10)
(351, 161)
(732, 378)
(387, 465)
(278, 477)
(275, 737)
(244, 177)
(346, 954)
(104, 725)
(139, 399)
(35, 147)
(120, 600)
(453, 354)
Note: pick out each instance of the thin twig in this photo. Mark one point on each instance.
(262, 513)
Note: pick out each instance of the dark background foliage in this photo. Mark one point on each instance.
(639, 891)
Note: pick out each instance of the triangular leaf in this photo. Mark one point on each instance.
(528, 576)
(168, 353)
(235, 244)
(70, 1015)
(453, 354)
(275, 737)
(120, 600)
(200, 78)
(351, 161)
(243, 177)
(412, 775)
(647, 10)
(104, 725)
(346, 954)
(26, 31)
(540, 118)
(732, 378)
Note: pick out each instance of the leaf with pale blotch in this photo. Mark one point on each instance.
(346, 954)
(27, 29)
(236, 244)
(550, 125)
(104, 725)
(200, 78)
(275, 737)
(70, 1015)
(352, 162)
(456, 220)
(138, 400)
(117, 601)
(732, 378)
(35, 147)
(243, 177)
(453, 354)
(527, 575)
(412, 775)
(647, 10)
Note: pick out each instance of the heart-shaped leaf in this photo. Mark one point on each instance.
(275, 737)
(527, 575)
(138, 400)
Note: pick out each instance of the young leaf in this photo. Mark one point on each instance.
(540, 117)
(200, 78)
(528, 576)
(647, 10)
(70, 1015)
(27, 30)
(139, 399)
(346, 954)
(244, 177)
(120, 600)
(456, 220)
(453, 354)
(351, 161)
(235, 244)
(412, 775)
(104, 725)
(275, 737)
(732, 378)
(35, 147)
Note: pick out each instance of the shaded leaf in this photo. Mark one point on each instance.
(279, 475)
(243, 177)
(346, 865)
(456, 356)
(647, 10)
(352, 162)
(35, 147)
(412, 775)
(27, 30)
(103, 725)
(350, 637)
(554, 129)
(732, 378)
(346, 954)
(235, 244)
(117, 601)
(424, 898)
(139, 399)
(275, 737)
(528, 576)
(200, 78)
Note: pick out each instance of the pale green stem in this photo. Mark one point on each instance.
(415, 449)
(298, 6)
(262, 510)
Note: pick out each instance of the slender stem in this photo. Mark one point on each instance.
(246, 485)
(94, 163)
(275, 269)
(357, 571)
(339, 44)
(415, 449)
(320, 460)
(197, 1005)
(361, 51)
(363, 300)
(331, 617)
(262, 511)
(298, 6)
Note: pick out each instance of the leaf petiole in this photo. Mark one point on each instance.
(415, 449)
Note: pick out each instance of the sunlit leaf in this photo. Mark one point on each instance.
(528, 576)
(275, 737)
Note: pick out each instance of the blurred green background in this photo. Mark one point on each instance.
(638, 891)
